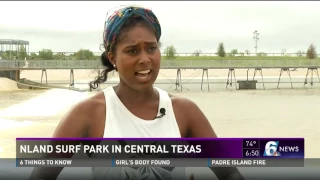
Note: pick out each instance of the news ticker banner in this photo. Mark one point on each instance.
(172, 162)
(238, 148)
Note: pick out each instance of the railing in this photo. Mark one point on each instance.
(240, 63)
(165, 64)
(71, 55)
(301, 54)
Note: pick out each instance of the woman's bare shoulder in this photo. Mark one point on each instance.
(91, 105)
(184, 106)
(81, 117)
(181, 102)
(198, 125)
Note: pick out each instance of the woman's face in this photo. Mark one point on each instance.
(137, 58)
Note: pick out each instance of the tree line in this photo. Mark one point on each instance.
(169, 52)
(47, 54)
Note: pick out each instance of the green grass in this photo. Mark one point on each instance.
(241, 61)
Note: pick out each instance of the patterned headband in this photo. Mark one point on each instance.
(115, 22)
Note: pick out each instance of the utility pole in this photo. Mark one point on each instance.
(256, 39)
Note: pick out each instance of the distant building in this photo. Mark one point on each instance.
(12, 46)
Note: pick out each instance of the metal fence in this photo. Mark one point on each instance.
(290, 54)
(165, 64)
(72, 55)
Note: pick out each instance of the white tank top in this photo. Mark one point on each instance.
(121, 123)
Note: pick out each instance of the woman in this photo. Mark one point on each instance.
(130, 109)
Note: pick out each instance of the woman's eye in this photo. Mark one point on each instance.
(135, 51)
(132, 51)
(152, 48)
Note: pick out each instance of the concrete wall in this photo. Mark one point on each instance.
(10, 74)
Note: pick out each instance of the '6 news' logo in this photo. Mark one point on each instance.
(271, 149)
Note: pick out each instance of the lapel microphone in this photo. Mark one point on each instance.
(162, 112)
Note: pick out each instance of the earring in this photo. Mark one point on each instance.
(114, 66)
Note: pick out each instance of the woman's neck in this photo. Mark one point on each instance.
(132, 96)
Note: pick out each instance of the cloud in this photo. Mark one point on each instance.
(69, 26)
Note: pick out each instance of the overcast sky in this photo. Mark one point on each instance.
(189, 26)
